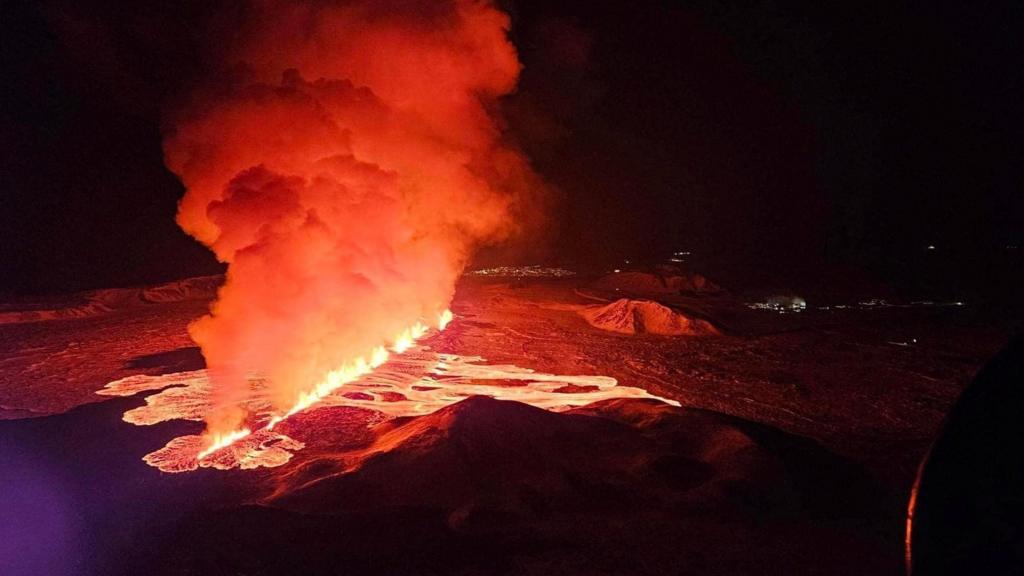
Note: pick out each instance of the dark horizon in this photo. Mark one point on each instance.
(774, 142)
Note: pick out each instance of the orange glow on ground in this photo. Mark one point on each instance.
(334, 380)
(415, 383)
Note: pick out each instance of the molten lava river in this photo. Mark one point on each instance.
(409, 379)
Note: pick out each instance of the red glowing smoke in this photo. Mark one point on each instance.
(345, 180)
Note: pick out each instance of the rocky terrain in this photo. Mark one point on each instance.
(792, 452)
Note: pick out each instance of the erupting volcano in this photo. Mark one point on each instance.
(418, 381)
(344, 161)
(508, 287)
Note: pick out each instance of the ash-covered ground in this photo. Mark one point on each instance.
(793, 451)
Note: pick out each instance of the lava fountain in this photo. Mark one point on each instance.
(344, 159)
(415, 382)
(334, 380)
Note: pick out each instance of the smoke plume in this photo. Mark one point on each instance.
(345, 164)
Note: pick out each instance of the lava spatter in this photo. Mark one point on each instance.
(417, 382)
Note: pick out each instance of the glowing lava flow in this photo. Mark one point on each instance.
(443, 319)
(223, 441)
(417, 382)
(334, 380)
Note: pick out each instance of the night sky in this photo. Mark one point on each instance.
(774, 139)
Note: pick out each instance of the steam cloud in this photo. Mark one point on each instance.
(346, 171)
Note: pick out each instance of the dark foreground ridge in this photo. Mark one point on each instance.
(480, 487)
